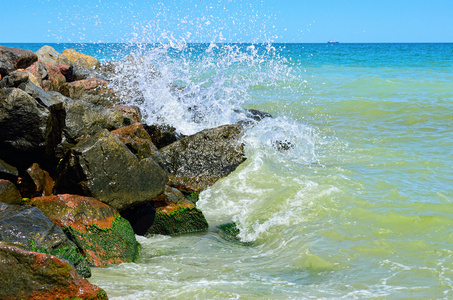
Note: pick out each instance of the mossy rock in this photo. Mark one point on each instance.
(106, 246)
(230, 232)
(71, 254)
(177, 221)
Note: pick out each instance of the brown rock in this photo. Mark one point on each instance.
(31, 275)
(131, 112)
(48, 76)
(13, 58)
(75, 57)
(104, 237)
(91, 90)
(139, 142)
(36, 182)
(9, 193)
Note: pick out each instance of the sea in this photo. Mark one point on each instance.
(346, 192)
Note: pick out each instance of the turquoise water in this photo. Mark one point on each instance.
(360, 206)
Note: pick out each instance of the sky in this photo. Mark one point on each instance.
(283, 21)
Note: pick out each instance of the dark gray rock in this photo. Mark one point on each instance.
(28, 228)
(162, 134)
(198, 161)
(101, 166)
(83, 119)
(8, 172)
(13, 58)
(22, 123)
(28, 129)
(79, 73)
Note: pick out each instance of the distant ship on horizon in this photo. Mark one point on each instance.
(332, 42)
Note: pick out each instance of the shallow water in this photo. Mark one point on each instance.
(359, 206)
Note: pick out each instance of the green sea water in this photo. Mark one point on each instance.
(358, 206)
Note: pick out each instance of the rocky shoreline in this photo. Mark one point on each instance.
(81, 174)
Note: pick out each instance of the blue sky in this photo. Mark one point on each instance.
(46, 21)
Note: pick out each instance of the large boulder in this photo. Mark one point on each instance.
(13, 58)
(29, 130)
(28, 228)
(198, 161)
(49, 55)
(31, 275)
(104, 237)
(176, 215)
(90, 90)
(101, 166)
(83, 119)
(9, 193)
(81, 59)
(22, 124)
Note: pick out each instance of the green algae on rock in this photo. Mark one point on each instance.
(103, 236)
(178, 218)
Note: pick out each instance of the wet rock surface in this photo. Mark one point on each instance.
(198, 161)
(101, 166)
(28, 228)
(103, 236)
(32, 275)
(174, 214)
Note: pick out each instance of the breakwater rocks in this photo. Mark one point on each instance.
(80, 174)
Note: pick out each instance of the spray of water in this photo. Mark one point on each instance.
(194, 86)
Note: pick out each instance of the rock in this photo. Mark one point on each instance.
(87, 119)
(49, 55)
(91, 90)
(104, 237)
(26, 84)
(80, 73)
(36, 182)
(29, 229)
(48, 76)
(8, 172)
(31, 275)
(131, 112)
(257, 115)
(81, 59)
(13, 58)
(198, 161)
(162, 135)
(28, 129)
(176, 215)
(15, 78)
(22, 124)
(101, 166)
(139, 142)
(9, 193)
